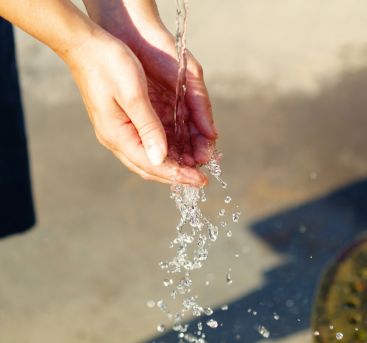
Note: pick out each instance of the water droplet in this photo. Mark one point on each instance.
(161, 328)
(161, 305)
(236, 217)
(200, 326)
(339, 336)
(208, 311)
(254, 313)
(224, 308)
(249, 310)
(263, 331)
(212, 323)
(223, 224)
(167, 282)
(164, 265)
(203, 195)
(228, 199)
(229, 233)
(236, 255)
(229, 278)
(213, 233)
(331, 327)
(150, 303)
(316, 333)
(222, 212)
(276, 316)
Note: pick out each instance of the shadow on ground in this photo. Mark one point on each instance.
(309, 236)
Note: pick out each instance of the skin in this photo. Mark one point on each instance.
(123, 61)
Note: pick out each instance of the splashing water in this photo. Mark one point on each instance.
(263, 331)
(195, 233)
(212, 323)
(339, 336)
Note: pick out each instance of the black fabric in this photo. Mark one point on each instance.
(16, 208)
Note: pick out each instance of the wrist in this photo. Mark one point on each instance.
(128, 20)
(89, 45)
(80, 30)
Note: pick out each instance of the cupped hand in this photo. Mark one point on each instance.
(114, 88)
(137, 23)
(155, 47)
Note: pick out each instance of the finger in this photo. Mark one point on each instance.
(120, 135)
(197, 100)
(203, 147)
(197, 97)
(136, 104)
(187, 156)
(139, 171)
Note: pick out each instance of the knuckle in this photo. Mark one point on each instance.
(136, 96)
(148, 128)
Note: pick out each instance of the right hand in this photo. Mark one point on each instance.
(113, 86)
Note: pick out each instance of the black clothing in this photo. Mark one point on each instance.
(16, 207)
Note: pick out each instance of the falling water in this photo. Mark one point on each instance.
(195, 232)
(181, 28)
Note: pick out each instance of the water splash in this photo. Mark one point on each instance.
(227, 199)
(263, 331)
(195, 232)
(212, 323)
(339, 336)
(161, 328)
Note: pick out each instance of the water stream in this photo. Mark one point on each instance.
(181, 29)
(195, 232)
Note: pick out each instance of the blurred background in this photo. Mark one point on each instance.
(288, 82)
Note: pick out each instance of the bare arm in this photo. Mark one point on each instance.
(111, 81)
(57, 23)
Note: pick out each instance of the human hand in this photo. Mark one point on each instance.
(137, 23)
(114, 89)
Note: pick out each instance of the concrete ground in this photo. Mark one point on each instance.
(288, 83)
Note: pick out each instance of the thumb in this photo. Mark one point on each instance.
(148, 126)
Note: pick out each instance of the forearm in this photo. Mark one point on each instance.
(126, 19)
(57, 23)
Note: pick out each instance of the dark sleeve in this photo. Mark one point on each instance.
(16, 207)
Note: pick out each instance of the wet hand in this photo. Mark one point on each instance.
(114, 88)
(137, 23)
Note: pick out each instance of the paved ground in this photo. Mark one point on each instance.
(288, 85)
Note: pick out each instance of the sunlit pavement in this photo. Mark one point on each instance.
(288, 86)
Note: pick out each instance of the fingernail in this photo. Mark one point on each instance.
(155, 154)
